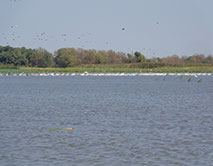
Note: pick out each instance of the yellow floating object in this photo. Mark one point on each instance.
(60, 128)
(68, 128)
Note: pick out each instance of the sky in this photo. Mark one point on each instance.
(156, 28)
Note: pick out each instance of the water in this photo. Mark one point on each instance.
(116, 121)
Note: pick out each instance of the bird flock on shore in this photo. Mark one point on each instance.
(189, 79)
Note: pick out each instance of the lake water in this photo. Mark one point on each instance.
(116, 121)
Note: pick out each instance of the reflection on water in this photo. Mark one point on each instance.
(116, 121)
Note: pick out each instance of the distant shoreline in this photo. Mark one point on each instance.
(107, 74)
(105, 70)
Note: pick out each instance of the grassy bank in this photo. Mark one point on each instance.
(124, 68)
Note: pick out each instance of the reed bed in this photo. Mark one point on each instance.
(124, 68)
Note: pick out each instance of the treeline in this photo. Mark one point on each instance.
(68, 57)
(25, 57)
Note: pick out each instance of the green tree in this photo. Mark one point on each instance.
(63, 60)
(41, 58)
(130, 58)
(140, 57)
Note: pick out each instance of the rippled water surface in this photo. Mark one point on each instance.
(116, 121)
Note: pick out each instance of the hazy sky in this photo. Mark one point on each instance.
(153, 27)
